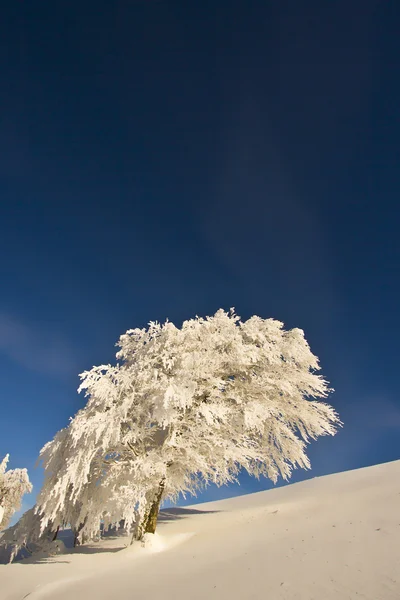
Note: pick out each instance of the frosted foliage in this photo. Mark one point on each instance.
(184, 408)
(26, 531)
(13, 485)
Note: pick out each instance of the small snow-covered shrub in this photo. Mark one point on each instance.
(13, 485)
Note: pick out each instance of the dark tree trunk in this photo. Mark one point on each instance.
(56, 534)
(76, 541)
(149, 521)
(77, 532)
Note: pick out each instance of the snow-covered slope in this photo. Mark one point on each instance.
(326, 538)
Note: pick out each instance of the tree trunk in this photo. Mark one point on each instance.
(149, 521)
(77, 542)
(56, 534)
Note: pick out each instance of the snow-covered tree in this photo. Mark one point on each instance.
(27, 535)
(13, 485)
(184, 408)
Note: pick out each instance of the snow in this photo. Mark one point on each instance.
(326, 538)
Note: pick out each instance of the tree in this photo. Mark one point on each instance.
(27, 534)
(184, 408)
(13, 485)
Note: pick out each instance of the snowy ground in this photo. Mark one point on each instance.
(327, 538)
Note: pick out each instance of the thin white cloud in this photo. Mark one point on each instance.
(35, 348)
(378, 413)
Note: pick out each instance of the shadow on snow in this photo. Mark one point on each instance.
(66, 536)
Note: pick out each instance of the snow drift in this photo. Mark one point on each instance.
(325, 538)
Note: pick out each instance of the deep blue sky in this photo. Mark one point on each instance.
(168, 158)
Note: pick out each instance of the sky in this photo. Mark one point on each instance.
(169, 158)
